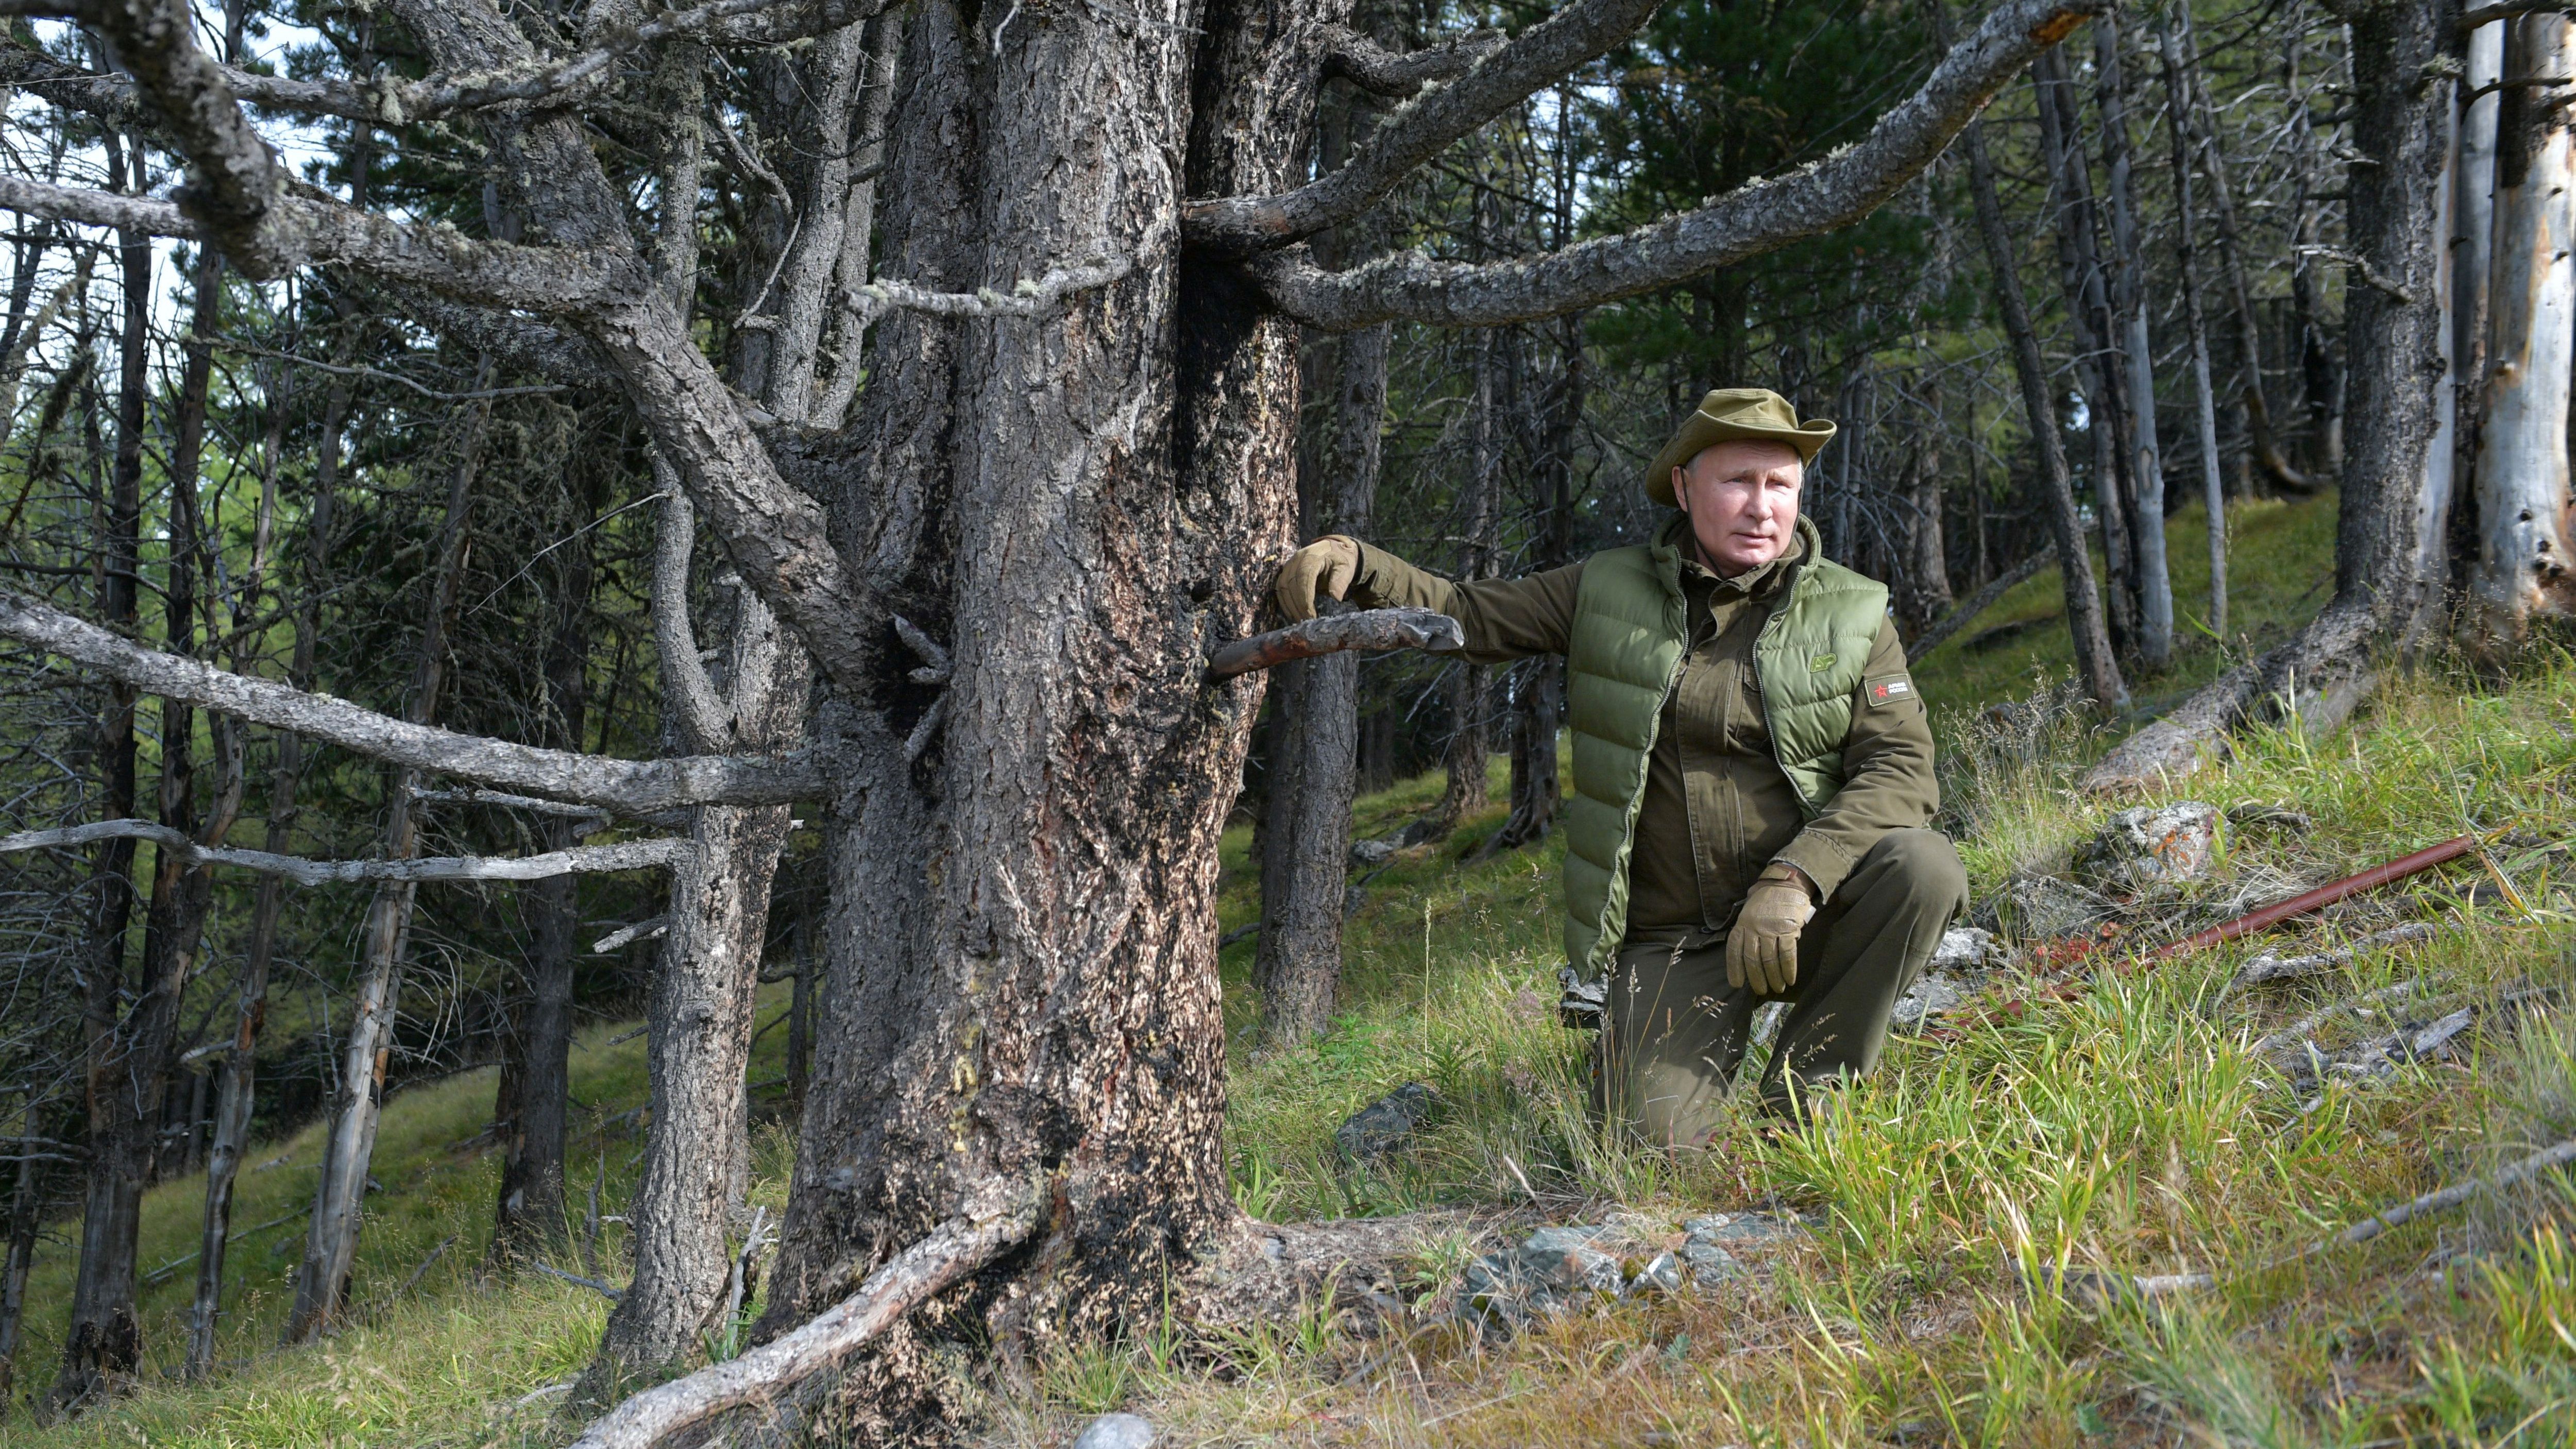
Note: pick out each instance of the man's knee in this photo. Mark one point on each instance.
(1921, 867)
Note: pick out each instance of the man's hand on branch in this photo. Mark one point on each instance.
(1762, 950)
(1322, 569)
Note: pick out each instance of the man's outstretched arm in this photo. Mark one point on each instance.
(1504, 619)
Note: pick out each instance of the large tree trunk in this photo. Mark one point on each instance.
(104, 1342)
(1023, 957)
(1924, 594)
(339, 1201)
(2136, 360)
(2093, 660)
(2524, 549)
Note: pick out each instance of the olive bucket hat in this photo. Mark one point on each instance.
(1728, 415)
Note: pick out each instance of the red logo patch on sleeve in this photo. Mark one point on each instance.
(1883, 690)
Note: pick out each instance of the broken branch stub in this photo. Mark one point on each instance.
(1424, 629)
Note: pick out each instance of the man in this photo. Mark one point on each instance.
(1753, 776)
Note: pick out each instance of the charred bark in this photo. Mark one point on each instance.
(2525, 549)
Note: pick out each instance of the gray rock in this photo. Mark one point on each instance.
(2153, 845)
(1366, 853)
(1387, 1123)
(1581, 1005)
(1966, 948)
(1116, 1431)
(1932, 993)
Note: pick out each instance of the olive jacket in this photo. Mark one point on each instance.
(1717, 806)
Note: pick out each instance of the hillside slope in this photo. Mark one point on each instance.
(2132, 1129)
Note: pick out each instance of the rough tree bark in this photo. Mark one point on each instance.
(696, 1162)
(2093, 660)
(2524, 544)
(339, 1198)
(1924, 594)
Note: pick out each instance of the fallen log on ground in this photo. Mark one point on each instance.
(1424, 629)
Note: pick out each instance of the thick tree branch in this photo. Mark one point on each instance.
(953, 1250)
(1361, 629)
(1374, 68)
(626, 786)
(393, 101)
(704, 719)
(236, 186)
(625, 855)
(1408, 139)
(325, 233)
(1746, 222)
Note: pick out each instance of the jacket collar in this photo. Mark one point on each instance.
(1666, 550)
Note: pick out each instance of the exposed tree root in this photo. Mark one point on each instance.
(764, 1375)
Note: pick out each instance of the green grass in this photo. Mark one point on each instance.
(2129, 1128)
(2281, 569)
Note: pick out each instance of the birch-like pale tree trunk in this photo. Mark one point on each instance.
(2136, 363)
(2524, 550)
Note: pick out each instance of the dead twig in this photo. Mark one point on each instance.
(1360, 629)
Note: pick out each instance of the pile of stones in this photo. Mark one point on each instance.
(1624, 1257)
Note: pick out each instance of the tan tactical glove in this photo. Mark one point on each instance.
(1323, 569)
(1762, 950)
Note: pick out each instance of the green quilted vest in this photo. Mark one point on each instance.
(1622, 657)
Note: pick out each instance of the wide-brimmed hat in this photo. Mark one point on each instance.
(1731, 414)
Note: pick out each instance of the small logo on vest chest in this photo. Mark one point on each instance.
(1820, 664)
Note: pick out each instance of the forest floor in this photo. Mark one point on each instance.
(2131, 1129)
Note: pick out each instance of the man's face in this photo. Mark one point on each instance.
(1742, 499)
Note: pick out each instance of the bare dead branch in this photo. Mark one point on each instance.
(1359, 629)
(491, 274)
(953, 1250)
(1028, 299)
(625, 936)
(2456, 1194)
(612, 1294)
(2273, 966)
(1756, 218)
(627, 786)
(1493, 83)
(1374, 68)
(586, 859)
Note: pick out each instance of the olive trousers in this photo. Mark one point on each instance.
(1677, 1032)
